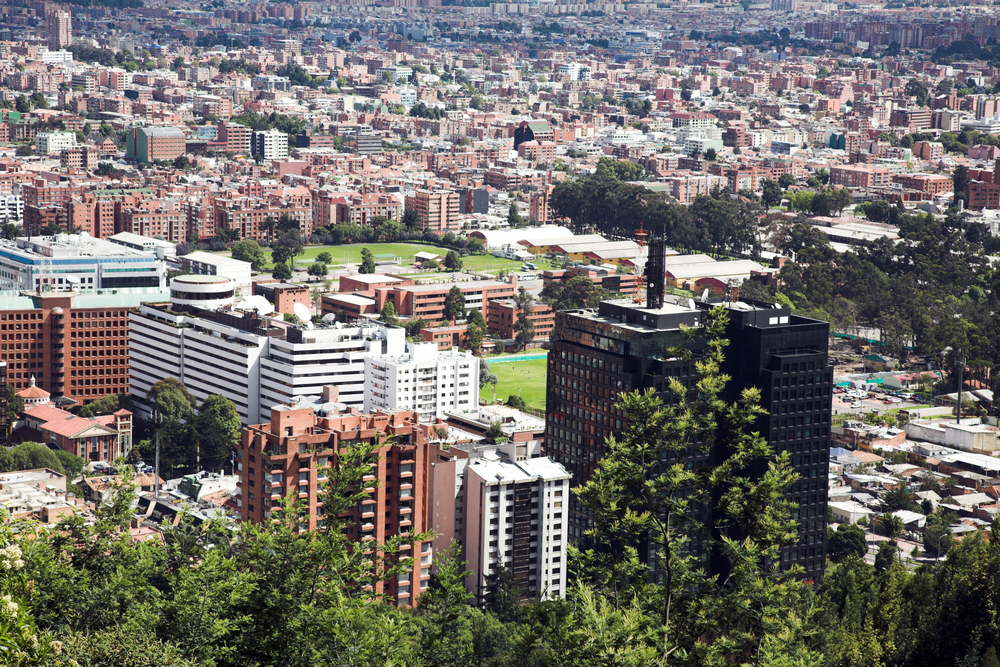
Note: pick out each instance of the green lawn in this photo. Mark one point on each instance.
(514, 375)
(489, 264)
(351, 254)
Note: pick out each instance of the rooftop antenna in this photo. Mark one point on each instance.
(656, 273)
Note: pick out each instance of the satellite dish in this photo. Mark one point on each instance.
(704, 296)
(72, 280)
(302, 313)
(329, 318)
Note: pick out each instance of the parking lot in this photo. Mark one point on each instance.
(842, 404)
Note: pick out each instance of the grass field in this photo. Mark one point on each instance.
(351, 254)
(515, 374)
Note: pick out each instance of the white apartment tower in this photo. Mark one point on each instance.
(53, 143)
(270, 145)
(60, 31)
(515, 519)
(424, 379)
(213, 347)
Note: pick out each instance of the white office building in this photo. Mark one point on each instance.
(515, 518)
(270, 145)
(78, 262)
(53, 143)
(393, 75)
(11, 209)
(424, 379)
(210, 264)
(215, 344)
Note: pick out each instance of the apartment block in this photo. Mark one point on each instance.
(233, 137)
(147, 144)
(73, 344)
(425, 380)
(54, 143)
(861, 177)
(438, 210)
(503, 315)
(427, 301)
(516, 515)
(292, 452)
(270, 145)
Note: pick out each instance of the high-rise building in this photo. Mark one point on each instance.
(623, 347)
(255, 361)
(291, 452)
(515, 518)
(146, 144)
(425, 379)
(74, 344)
(60, 30)
(270, 145)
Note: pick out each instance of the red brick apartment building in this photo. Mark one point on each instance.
(860, 177)
(291, 455)
(930, 185)
(73, 351)
(503, 315)
(427, 301)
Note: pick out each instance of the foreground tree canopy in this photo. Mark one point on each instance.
(84, 593)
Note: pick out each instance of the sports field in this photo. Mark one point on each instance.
(529, 376)
(351, 254)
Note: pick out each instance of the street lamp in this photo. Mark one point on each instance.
(940, 537)
(157, 419)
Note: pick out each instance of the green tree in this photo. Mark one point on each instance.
(71, 464)
(502, 596)
(31, 455)
(577, 292)
(524, 326)
(411, 219)
(516, 402)
(486, 376)
(317, 269)
(181, 162)
(452, 261)
(367, 261)
(898, 499)
(324, 258)
(960, 180)
(281, 271)
(773, 193)
(710, 154)
(249, 250)
(445, 605)
(218, 426)
(847, 541)
(388, 314)
(15, 404)
(475, 330)
(892, 525)
(172, 400)
(514, 216)
(454, 304)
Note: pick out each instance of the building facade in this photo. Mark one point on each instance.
(291, 452)
(200, 339)
(428, 381)
(623, 347)
(515, 518)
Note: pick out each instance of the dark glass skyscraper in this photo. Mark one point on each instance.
(623, 346)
